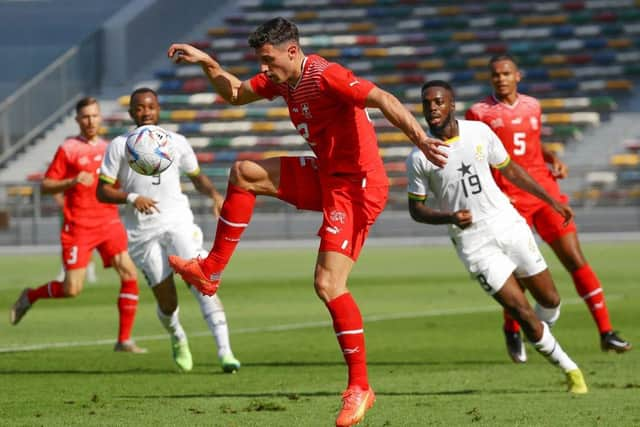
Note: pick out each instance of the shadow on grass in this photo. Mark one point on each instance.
(245, 365)
(145, 371)
(377, 363)
(295, 396)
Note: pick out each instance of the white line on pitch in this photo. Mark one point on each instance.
(287, 327)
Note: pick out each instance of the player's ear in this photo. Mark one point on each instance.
(292, 50)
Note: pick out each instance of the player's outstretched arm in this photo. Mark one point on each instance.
(518, 176)
(227, 85)
(422, 213)
(107, 192)
(559, 169)
(203, 184)
(53, 186)
(402, 118)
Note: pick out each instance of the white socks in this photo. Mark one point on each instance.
(172, 324)
(547, 315)
(551, 350)
(213, 313)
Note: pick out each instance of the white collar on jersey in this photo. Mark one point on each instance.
(304, 62)
(509, 106)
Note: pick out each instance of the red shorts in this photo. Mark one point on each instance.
(78, 243)
(349, 204)
(545, 220)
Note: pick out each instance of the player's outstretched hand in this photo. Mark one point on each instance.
(218, 200)
(430, 148)
(565, 211)
(462, 218)
(145, 205)
(84, 178)
(559, 169)
(185, 53)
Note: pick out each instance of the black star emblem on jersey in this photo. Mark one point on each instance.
(465, 169)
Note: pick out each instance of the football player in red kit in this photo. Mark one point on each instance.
(88, 225)
(346, 180)
(516, 119)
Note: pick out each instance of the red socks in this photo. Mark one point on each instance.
(127, 307)
(234, 218)
(510, 324)
(53, 289)
(348, 325)
(588, 287)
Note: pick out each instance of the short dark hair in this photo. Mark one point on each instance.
(142, 90)
(87, 100)
(438, 83)
(502, 57)
(275, 31)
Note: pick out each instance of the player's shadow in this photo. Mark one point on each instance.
(296, 395)
(378, 363)
(105, 371)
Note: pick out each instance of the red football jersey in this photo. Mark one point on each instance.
(327, 107)
(81, 206)
(518, 126)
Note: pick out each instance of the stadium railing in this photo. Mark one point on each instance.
(48, 96)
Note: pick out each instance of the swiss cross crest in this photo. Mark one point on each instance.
(338, 216)
(497, 123)
(534, 123)
(305, 110)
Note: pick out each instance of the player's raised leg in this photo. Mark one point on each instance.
(567, 248)
(247, 180)
(69, 288)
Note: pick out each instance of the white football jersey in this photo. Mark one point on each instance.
(163, 188)
(466, 181)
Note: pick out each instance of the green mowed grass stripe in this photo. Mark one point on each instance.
(435, 349)
(284, 327)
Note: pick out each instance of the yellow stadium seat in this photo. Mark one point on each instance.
(628, 159)
(124, 100)
(278, 112)
(554, 147)
(183, 115)
(376, 52)
(263, 127)
(551, 103)
(431, 64)
(620, 84)
(233, 113)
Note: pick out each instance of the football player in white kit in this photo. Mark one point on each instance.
(160, 223)
(492, 240)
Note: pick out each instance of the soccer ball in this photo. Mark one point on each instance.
(149, 150)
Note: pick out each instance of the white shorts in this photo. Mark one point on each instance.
(491, 250)
(151, 255)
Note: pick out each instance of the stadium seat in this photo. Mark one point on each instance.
(579, 58)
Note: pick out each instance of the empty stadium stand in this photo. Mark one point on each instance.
(579, 57)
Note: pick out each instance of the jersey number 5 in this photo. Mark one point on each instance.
(520, 144)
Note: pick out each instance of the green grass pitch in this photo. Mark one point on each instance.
(434, 341)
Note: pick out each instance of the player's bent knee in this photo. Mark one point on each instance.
(72, 291)
(241, 173)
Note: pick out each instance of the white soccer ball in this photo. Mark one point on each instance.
(149, 150)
